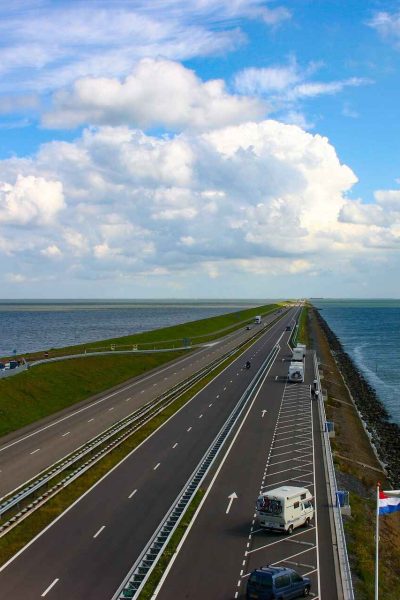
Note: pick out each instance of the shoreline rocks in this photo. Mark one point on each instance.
(384, 434)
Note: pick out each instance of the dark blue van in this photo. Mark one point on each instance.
(276, 583)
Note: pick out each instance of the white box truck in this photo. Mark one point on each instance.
(303, 347)
(285, 508)
(257, 319)
(296, 372)
(297, 354)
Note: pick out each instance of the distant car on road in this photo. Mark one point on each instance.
(248, 327)
(288, 328)
(267, 583)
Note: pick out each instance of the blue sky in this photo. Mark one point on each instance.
(201, 149)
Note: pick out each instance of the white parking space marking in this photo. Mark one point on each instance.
(99, 531)
(34, 452)
(46, 591)
(175, 445)
(112, 408)
(188, 429)
(132, 494)
(127, 399)
(210, 405)
(66, 433)
(292, 444)
(156, 467)
(200, 416)
(90, 420)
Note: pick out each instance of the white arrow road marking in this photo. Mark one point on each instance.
(232, 497)
(263, 413)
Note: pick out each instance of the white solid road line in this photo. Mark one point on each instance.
(132, 494)
(175, 445)
(156, 467)
(34, 452)
(66, 433)
(49, 588)
(99, 531)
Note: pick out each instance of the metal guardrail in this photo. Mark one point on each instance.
(141, 570)
(123, 426)
(345, 572)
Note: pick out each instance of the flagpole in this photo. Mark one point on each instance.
(377, 544)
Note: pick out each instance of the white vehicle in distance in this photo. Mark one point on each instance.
(297, 354)
(301, 347)
(285, 508)
(296, 372)
(257, 319)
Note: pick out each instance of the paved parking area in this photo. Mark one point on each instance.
(290, 461)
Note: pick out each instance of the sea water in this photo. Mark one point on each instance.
(369, 331)
(30, 326)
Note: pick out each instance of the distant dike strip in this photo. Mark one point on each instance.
(384, 434)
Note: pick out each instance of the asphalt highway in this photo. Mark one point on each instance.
(88, 550)
(281, 446)
(25, 453)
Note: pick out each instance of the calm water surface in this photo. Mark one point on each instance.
(32, 325)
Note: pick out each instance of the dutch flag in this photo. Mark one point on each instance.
(389, 501)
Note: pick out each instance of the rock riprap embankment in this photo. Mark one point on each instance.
(384, 434)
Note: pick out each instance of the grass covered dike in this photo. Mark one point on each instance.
(46, 389)
(194, 332)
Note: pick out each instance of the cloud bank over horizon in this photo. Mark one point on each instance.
(245, 200)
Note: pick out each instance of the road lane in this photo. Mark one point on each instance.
(67, 551)
(221, 548)
(91, 417)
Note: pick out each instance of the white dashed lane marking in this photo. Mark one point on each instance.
(99, 531)
(46, 591)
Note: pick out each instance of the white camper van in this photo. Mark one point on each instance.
(257, 319)
(285, 508)
(296, 372)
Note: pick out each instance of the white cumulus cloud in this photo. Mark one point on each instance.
(31, 200)
(258, 198)
(157, 93)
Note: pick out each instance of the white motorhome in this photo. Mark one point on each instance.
(296, 372)
(257, 319)
(285, 508)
